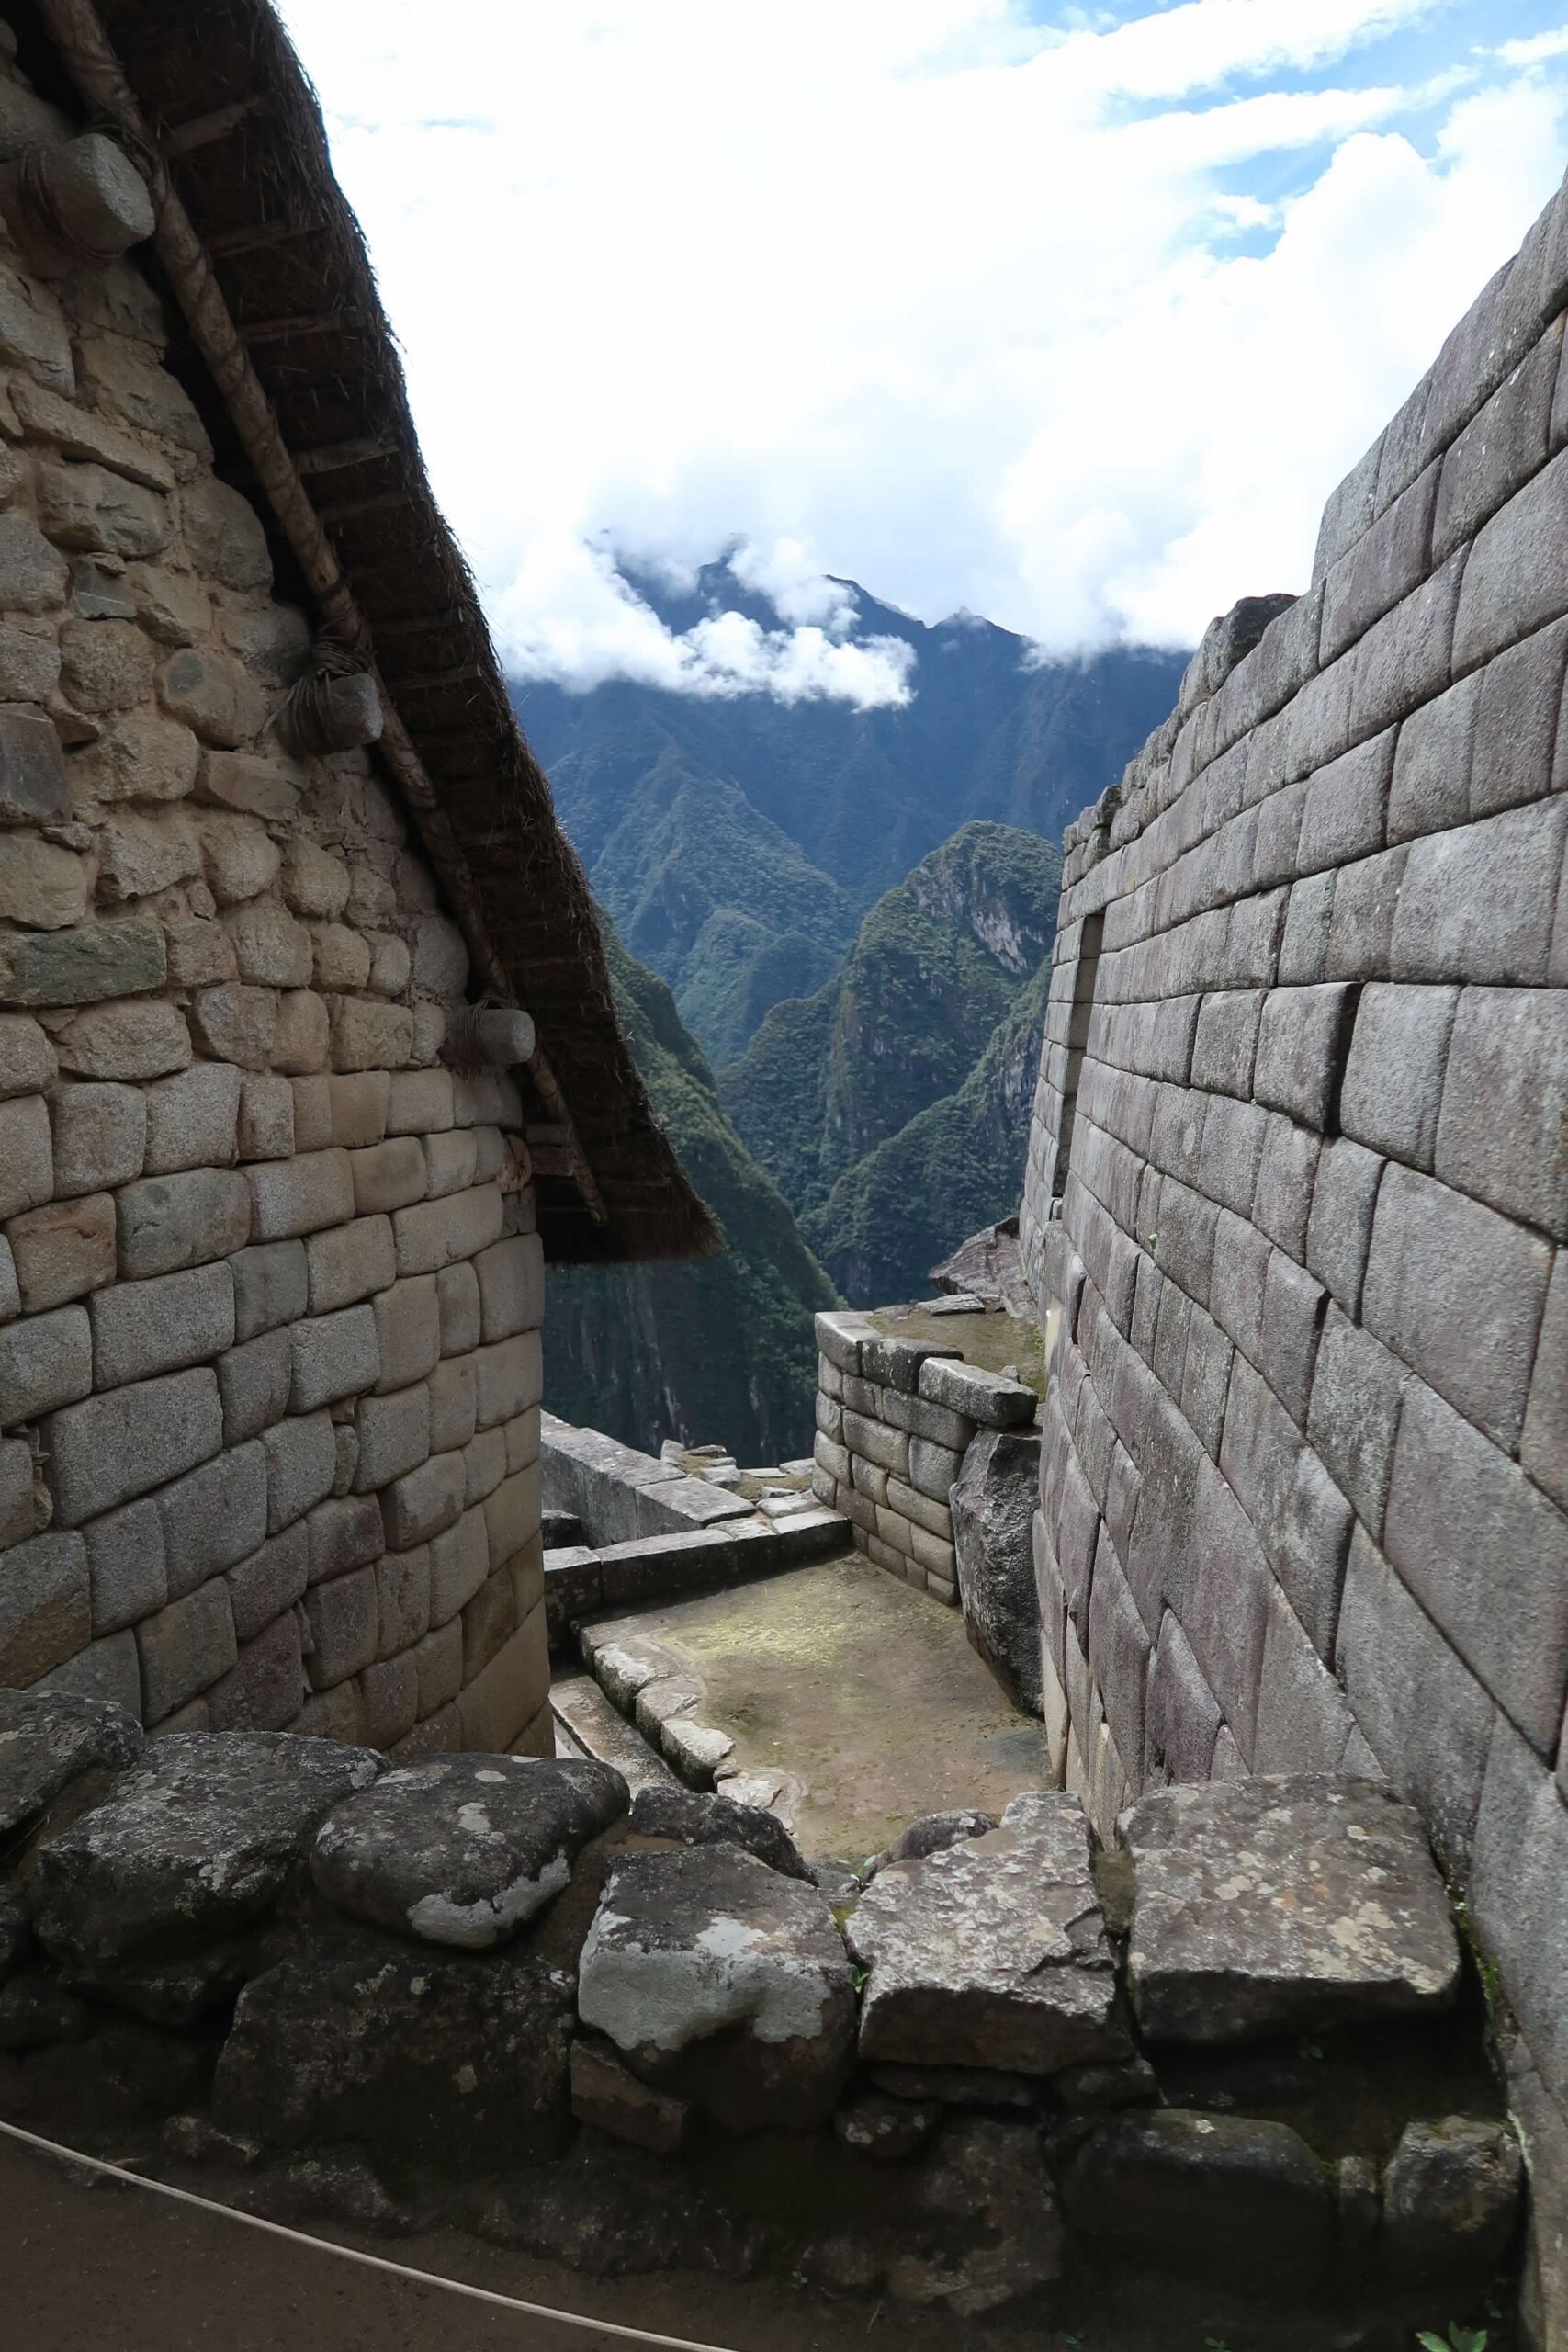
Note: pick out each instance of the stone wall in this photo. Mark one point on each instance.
(1297, 1180)
(895, 1418)
(1000, 2068)
(269, 1286)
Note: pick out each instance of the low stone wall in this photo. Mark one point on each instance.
(895, 1418)
(1243, 2044)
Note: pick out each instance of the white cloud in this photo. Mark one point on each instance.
(1074, 326)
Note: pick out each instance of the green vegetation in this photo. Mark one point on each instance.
(892, 1108)
(721, 1350)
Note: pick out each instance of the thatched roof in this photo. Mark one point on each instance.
(236, 152)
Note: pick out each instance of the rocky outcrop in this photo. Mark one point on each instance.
(993, 1501)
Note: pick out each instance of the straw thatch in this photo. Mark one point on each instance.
(234, 135)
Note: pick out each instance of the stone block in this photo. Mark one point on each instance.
(271, 1286)
(45, 1606)
(26, 1162)
(435, 1234)
(1455, 1503)
(1282, 1202)
(1216, 1957)
(402, 1585)
(1441, 1265)
(1517, 757)
(1354, 1413)
(367, 1035)
(408, 1328)
(1181, 1717)
(1295, 1304)
(162, 1325)
(1346, 805)
(1405, 658)
(1499, 449)
(394, 1436)
(126, 1567)
(1430, 787)
(839, 1337)
(267, 1118)
(1301, 1054)
(28, 1062)
(192, 1119)
(1241, 1257)
(511, 1514)
(454, 1403)
(1517, 1888)
(459, 1562)
(1478, 903)
(509, 1696)
(1227, 1041)
(1339, 1229)
(33, 789)
(420, 1101)
(1429, 1719)
(1498, 1135)
(46, 1361)
(450, 1160)
(184, 1649)
(488, 1622)
(301, 1462)
(1513, 580)
(271, 950)
(214, 1517)
(344, 1618)
(235, 1024)
(167, 1223)
(339, 957)
(875, 1441)
(62, 1252)
(1361, 921)
(511, 1287)
(484, 1467)
(24, 1505)
(424, 1501)
(108, 1449)
(253, 1382)
(1229, 1154)
(390, 1175)
(10, 1296)
(142, 852)
(100, 1137)
(391, 1690)
(348, 1262)
(1205, 1379)
(508, 1379)
(457, 1297)
(357, 1105)
(300, 1195)
(1303, 1724)
(45, 886)
(343, 1532)
(238, 857)
(1393, 1078)
(334, 1356)
(135, 1037)
(264, 1691)
(299, 1038)
(979, 1395)
(1544, 1450)
(270, 1581)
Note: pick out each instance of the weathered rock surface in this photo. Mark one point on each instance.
(1278, 1905)
(606, 2094)
(195, 1842)
(463, 1848)
(1201, 2191)
(989, 2177)
(993, 1502)
(1452, 2194)
(719, 1978)
(452, 2063)
(931, 1835)
(48, 1738)
(992, 1952)
(874, 2124)
(607, 2214)
(699, 1820)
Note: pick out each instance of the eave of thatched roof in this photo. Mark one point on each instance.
(233, 130)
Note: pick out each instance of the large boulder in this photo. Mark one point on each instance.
(691, 1818)
(1283, 1906)
(993, 1501)
(192, 1845)
(48, 1739)
(1216, 2193)
(463, 1849)
(991, 1952)
(1452, 2195)
(720, 1979)
(451, 2062)
(987, 2182)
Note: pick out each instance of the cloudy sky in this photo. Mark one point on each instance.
(1071, 316)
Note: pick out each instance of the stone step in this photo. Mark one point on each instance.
(587, 1725)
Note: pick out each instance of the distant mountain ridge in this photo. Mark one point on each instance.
(736, 841)
(891, 1108)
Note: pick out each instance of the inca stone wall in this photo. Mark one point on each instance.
(1298, 1182)
(269, 1286)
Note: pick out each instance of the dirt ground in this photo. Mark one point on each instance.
(865, 1689)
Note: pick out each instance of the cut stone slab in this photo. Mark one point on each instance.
(435, 2059)
(993, 1952)
(193, 1842)
(691, 1819)
(584, 1715)
(462, 1850)
(1283, 1906)
(48, 1739)
(607, 2094)
(720, 1979)
(1451, 2197)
